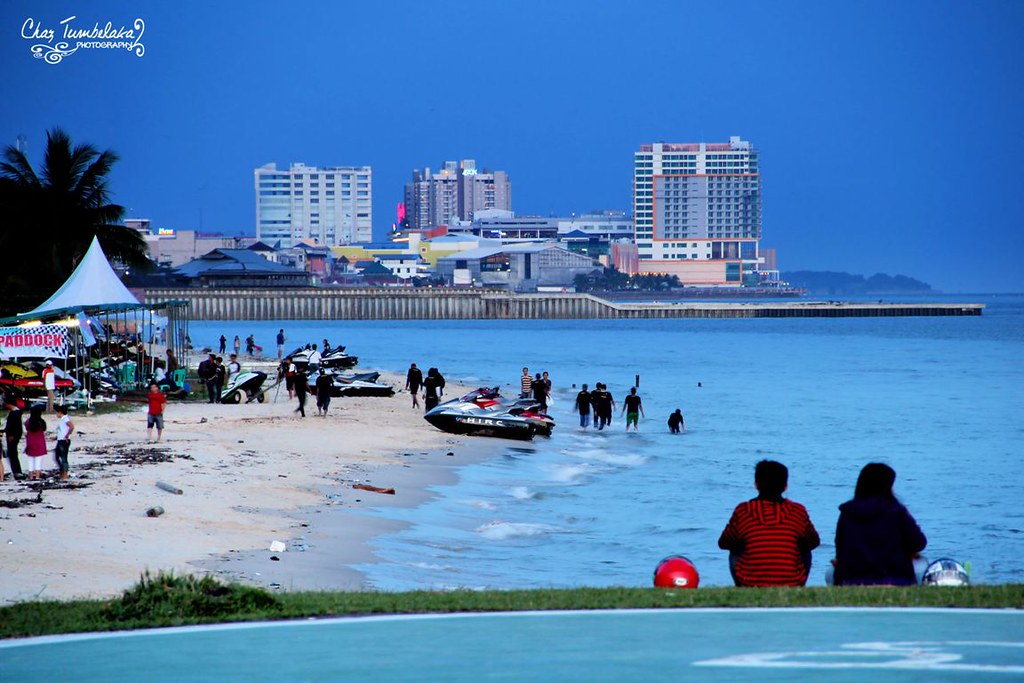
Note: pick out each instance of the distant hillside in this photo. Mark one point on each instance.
(847, 284)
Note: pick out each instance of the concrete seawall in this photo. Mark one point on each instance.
(310, 303)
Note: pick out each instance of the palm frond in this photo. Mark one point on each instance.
(17, 168)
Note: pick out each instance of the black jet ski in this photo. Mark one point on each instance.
(527, 408)
(530, 409)
(355, 384)
(337, 358)
(244, 386)
(468, 417)
(333, 359)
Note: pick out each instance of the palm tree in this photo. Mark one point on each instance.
(48, 219)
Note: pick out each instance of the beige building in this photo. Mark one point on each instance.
(174, 248)
(697, 211)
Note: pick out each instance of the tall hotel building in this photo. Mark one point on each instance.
(697, 211)
(454, 193)
(330, 205)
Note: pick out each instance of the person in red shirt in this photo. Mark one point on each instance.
(155, 417)
(769, 538)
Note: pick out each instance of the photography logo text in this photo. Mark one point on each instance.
(52, 43)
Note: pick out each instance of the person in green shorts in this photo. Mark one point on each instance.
(633, 407)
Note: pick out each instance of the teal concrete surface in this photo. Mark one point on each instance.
(630, 645)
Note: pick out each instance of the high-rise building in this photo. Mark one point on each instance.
(333, 205)
(454, 193)
(697, 211)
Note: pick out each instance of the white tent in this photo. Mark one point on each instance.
(93, 283)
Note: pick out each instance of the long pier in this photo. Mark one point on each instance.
(313, 303)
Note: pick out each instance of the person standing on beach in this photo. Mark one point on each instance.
(219, 374)
(155, 414)
(65, 428)
(238, 345)
(525, 384)
(35, 442)
(280, 344)
(223, 344)
(234, 367)
(301, 386)
(633, 407)
(769, 538)
(313, 363)
(547, 387)
(431, 389)
(583, 407)
(13, 430)
(50, 384)
(675, 422)
(323, 393)
(207, 372)
(413, 382)
(289, 378)
(250, 345)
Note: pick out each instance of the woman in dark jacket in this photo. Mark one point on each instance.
(877, 539)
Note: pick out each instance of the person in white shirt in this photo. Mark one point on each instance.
(65, 428)
(50, 384)
(314, 359)
(233, 367)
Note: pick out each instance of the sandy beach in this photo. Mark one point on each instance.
(250, 475)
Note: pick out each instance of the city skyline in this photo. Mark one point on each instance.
(888, 134)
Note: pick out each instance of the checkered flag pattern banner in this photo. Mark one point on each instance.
(43, 341)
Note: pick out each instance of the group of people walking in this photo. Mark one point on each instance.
(600, 403)
(770, 539)
(432, 386)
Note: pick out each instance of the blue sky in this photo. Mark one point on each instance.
(890, 132)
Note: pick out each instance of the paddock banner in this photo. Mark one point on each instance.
(44, 341)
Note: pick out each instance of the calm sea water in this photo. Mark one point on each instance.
(937, 398)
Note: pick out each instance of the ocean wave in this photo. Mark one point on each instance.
(570, 474)
(482, 504)
(499, 531)
(432, 567)
(524, 493)
(623, 460)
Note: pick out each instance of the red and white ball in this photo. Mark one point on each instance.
(676, 572)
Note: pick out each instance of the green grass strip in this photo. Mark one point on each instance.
(166, 600)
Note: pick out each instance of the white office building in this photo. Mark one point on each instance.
(332, 205)
(697, 211)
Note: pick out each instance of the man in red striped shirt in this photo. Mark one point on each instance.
(769, 538)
